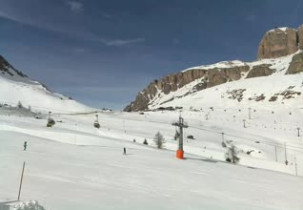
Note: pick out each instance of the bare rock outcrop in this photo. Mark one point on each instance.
(296, 65)
(260, 71)
(167, 84)
(219, 76)
(173, 82)
(300, 37)
(278, 42)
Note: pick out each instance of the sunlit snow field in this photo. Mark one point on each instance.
(76, 166)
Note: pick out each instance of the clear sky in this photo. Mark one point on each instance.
(103, 52)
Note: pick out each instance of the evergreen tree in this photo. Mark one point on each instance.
(19, 105)
(231, 154)
(159, 140)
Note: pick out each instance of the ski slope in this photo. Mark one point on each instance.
(76, 166)
(16, 88)
(37, 97)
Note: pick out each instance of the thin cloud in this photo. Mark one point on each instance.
(75, 6)
(28, 22)
(120, 42)
(14, 18)
(86, 35)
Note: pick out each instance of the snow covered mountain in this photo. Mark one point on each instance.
(16, 87)
(274, 82)
(74, 165)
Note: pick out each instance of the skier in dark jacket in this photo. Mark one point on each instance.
(124, 151)
(25, 145)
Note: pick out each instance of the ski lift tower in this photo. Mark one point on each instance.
(181, 125)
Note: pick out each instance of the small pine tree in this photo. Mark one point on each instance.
(20, 106)
(231, 154)
(145, 142)
(159, 140)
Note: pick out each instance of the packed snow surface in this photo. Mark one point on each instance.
(76, 166)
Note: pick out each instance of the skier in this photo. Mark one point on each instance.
(124, 151)
(25, 145)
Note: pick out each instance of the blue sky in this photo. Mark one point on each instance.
(103, 52)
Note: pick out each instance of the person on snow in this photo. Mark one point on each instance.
(25, 145)
(124, 151)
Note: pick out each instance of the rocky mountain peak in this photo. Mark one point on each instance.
(280, 42)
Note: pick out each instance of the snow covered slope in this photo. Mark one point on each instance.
(76, 166)
(16, 87)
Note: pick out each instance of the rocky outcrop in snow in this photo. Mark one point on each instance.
(260, 71)
(280, 42)
(296, 65)
(206, 78)
(167, 84)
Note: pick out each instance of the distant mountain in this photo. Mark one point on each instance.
(275, 80)
(9, 72)
(16, 87)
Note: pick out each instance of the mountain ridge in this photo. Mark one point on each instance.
(200, 78)
(17, 88)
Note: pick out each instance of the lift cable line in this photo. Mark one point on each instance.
(270, 143)
(294, 148)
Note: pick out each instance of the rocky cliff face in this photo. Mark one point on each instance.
(300, 37)
(204, 77)
(167, 84)
(276, 43)
(280, 42)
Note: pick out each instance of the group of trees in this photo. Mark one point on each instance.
(158, 140)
